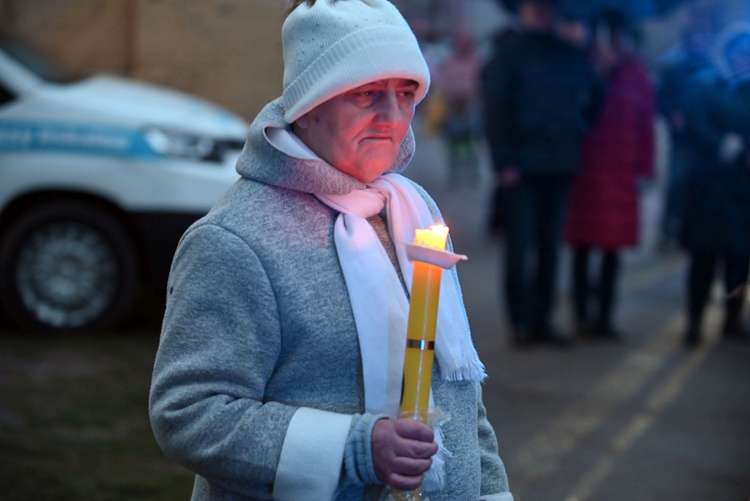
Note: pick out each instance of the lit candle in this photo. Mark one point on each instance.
(420, 336)
(430, 258)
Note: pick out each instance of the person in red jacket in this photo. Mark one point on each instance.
(603, 212)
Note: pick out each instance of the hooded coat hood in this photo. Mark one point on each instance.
(262, 162)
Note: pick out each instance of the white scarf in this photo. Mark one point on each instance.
(381, 309)
(379, 304)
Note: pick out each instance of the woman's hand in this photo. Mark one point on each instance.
(401, 452)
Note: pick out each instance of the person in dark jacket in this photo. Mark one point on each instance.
(497, 216)
(619, 151)
(538, 91)
(675, 76)
(716, 220)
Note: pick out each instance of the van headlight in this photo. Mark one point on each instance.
(173, 143)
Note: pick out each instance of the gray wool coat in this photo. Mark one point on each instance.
(259, 349)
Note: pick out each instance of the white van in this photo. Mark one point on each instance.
(99, 178)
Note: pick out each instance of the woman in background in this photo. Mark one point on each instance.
(619, 150)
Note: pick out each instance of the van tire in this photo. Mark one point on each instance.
(67, 265)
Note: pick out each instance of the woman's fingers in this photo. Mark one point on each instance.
(402, 452)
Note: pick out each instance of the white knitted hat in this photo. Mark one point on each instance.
(338, 45)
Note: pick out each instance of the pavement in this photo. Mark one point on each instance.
(643, 419)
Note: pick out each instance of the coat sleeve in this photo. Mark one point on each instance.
(705, 113)
(220, 341)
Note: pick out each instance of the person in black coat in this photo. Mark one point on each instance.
(538, 91)
(716, 218)
(675, 75)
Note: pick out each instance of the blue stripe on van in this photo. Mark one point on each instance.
(61, 137)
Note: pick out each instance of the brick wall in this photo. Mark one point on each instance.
(228, 51)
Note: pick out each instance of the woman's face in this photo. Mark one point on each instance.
(360, 131)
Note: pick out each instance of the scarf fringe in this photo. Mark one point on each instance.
(467, 374)
(468, 369)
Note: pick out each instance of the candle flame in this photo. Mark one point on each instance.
(434, 237)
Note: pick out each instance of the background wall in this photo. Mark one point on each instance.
(228, 51)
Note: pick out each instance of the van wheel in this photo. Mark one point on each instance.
(67, 265)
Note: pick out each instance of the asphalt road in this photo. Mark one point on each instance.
(644, 419)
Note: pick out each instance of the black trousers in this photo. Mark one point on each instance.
(583, 292)
(535, 212)
(701, 276)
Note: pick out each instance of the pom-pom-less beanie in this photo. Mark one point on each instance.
(337, 45)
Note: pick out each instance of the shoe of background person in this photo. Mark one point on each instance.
(522, 338)
(605, 332)
(581, 330)
(692, 337)
(548, 335)
(735, 332)
(733, 329)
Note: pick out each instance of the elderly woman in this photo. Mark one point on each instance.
(279, 369)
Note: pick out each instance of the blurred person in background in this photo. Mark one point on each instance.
(457, 81)
(435, 49)
(574, 30)
(618, 152)
(716, 217)
(676, 75)
(280, 363)
(540, 93)
(497, 210)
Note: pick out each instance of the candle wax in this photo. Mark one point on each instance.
(420, 340)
